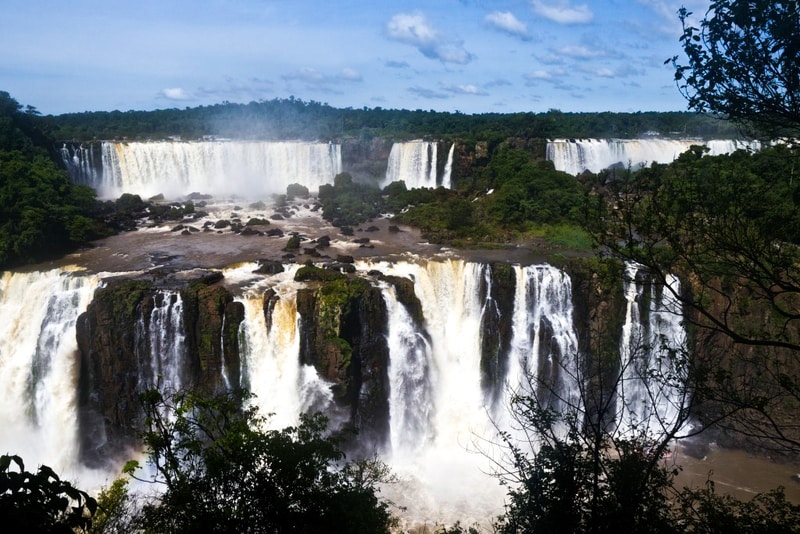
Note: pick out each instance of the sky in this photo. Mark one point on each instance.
(470, 56)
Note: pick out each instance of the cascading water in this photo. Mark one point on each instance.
(544, 357)
(247, 169)
(448, 168)
(80, 163)
(38, 365)
(437, 452)
(271, 368)
(650, 390)
(416, 163)
(575, 156)
(161, 340)
(410, 400)
(442, 423)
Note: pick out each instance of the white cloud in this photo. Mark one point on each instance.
(552, 76)
(175, 93)
(579, 52)
(562, 12)
(350, 75)
(414, 29)
(427, 93)
(466, 89)
(505, 21)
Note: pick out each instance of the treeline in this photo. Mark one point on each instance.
(42, 213)
(293, 118)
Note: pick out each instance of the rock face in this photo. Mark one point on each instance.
(180, 330)
(343, 335)
(496, 327)
(118, 339)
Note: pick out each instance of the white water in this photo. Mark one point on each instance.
(650, 390)
(442, 432)
(575, 156)
(163, 335)
(437, 452)
(39, 366)
(249, 169)
(416, 163)
(80, 164)
(545, 338)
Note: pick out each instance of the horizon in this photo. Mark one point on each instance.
(466, 56)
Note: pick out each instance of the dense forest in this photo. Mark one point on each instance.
(296, 119)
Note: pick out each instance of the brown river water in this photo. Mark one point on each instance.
(735, 472)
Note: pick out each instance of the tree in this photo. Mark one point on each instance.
(223, 471)
(728, 226)
(742, 63)
(41, 502)
(579, 462)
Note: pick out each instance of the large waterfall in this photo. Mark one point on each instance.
(38, 368)
(442, 418)
(249, 169)
(653, 357)
(575, 156)
(417, 164)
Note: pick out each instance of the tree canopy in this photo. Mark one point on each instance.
(222, 470)
(742, 63)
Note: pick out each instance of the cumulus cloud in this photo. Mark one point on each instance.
(506, 22)
(414, 29)
(579, 52)
(552, 76)
(562, 12)
(466, 89)
(175, 93)
(665, 10)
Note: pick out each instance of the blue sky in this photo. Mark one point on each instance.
(472, 56)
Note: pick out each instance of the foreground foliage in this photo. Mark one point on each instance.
(223, 471)
(41, 502)
(580, 479)
(742, 63)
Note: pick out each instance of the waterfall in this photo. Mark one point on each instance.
(249, 169)
(438, 451)
(80, 164)
(575, 156)
(410, 399)
(416, 164)
(160, 342)
(38, 365)
(544, 358)
(269, 344)
(448, 168)
(650, 391)
(442, 424)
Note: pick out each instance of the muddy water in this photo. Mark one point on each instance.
(737, 473)
(734, 472)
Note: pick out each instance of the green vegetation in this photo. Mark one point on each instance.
(741, 63)
(223, 471)
(41, 502)
(293, 118)
(348, 203)
(42, 213)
